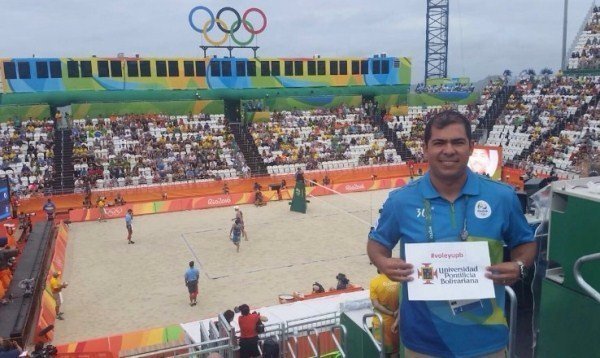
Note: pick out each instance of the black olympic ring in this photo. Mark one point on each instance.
(237, 23)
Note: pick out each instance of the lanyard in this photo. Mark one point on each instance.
(464, 234)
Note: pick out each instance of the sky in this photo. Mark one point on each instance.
(485, 37)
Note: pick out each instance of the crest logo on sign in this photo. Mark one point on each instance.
(427, 273)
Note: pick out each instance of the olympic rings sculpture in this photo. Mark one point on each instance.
(241, 21)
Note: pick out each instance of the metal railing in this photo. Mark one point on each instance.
(579, 279)
(378, 345)
(315, 348)
(306, 326)
(343, 333)
(292, 351)
(512, 323)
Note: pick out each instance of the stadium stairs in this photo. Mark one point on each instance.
(246, 144)
(390, 135)
(495, 110)
(63, 181)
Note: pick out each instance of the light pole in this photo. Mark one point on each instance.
(563, 64)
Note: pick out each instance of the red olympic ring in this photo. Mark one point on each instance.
(261, 13)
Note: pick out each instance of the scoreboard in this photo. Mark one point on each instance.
(4, 199)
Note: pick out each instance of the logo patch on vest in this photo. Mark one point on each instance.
(482, 210)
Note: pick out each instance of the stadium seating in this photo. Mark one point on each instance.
(585, 53)
(26, 152)
(152, 149)
(540, 127)
(321, 139)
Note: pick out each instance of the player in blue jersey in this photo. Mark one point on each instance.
(451, 203)
(129, 225)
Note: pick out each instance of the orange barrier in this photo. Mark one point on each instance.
(309, 296)
(86, 355)
(191, 189)
(513, 176)
(212, 201)
(115, 345)
(326, 344)
(48, 304)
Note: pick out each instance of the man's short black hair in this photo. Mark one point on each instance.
(245, 309)
(228, 315)
(191, 263)
(444, 119)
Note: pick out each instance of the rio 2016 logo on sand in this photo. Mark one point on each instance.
(227, 30)
(427, 273)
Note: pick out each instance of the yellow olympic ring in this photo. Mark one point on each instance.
(211, 41)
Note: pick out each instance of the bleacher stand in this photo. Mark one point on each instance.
(536, 112)
(26, 151)
(585, 53)
(321, 139)
(152, 149)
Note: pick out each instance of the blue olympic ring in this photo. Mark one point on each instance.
(191, 20)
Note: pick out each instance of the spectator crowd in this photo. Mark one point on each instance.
(149, 149)
(26, 152)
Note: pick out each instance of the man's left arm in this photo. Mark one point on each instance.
(523, 248)
(507, 273)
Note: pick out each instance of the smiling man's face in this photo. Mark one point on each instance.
(448, 152)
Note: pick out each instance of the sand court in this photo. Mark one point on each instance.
(115, 287)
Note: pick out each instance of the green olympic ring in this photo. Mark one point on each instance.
(242, 43)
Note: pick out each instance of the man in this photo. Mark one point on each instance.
(480, 161)
(128, 223)
(101, 203)
(10, 349)
(192, 275)
(299, 176)
(239, 215)
(14, 204)
(56, 287)
(119, 200)
(235, 233)
(451, 203)
(87, 200)
(384, 297)
(49, 208)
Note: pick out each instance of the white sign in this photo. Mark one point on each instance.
(449, 271)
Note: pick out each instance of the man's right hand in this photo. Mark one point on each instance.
(395, 269)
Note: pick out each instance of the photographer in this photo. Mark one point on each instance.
(41, 351)
(10, 349)
(248, 332)
(25, 222)
(119, 200)
(342, 281)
